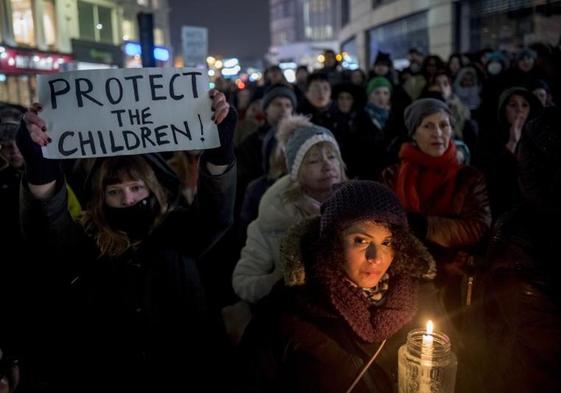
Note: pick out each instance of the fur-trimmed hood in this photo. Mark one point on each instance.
(313, 261)
(412, 258)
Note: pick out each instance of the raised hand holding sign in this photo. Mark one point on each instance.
(101, 113)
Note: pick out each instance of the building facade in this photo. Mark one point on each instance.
(302, 29)
(48, 36)
(444, 26)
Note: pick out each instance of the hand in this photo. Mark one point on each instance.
(219, 105)
(31, 136)
(515, 133)
(36, 126)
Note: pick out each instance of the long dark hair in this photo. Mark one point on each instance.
(115, 170)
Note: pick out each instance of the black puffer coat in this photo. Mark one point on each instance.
(138, 322)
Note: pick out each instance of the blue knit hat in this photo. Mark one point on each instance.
(301, 141)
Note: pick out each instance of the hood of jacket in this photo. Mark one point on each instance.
(276, 213)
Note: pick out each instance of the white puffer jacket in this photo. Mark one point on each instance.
(259, 266)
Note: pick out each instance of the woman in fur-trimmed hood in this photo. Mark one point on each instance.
(352, 285)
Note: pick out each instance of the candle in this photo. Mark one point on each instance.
(427, 344)
(426, 359)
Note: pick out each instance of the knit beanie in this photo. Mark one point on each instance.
(301, 141)
(279, 91)
(377, 82)
(359, 200)
(383, 58)
(419, 109)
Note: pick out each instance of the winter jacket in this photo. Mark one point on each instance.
(451, 239)
(258, 268)
(298, 342)
(139, 321)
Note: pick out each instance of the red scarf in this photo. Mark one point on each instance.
(426, 184)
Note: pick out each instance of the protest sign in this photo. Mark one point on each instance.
(114, 112)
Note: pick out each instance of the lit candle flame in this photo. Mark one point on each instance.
(429, 327)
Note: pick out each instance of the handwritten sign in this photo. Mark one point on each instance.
(99, 113)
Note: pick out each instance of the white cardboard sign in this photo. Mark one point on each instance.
(99, 113)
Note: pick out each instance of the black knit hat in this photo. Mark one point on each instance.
(279, 91)
(360, 200)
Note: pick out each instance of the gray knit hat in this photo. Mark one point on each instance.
(301, 141)
(415, 112)
(279, 91)
(358, 200)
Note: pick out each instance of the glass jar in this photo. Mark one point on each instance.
(426, 366)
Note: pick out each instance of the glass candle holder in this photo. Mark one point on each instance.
(426, 363)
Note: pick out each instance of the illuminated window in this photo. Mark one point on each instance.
(129, 30)
(158, 36)
(96, 22)
(22, 20)
(49, 22)
(105, 24)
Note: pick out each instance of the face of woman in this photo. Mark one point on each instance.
(126, 194)
(443, 84)
(320, 170)
(380, 97)
(345, 102)
(433, 134)
(517, 107)
(454, 65)
(368, 252)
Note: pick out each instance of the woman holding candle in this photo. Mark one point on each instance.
(446, 202)
(351, 285)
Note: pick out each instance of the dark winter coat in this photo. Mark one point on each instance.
(298, 341)
(454, 238)
(137, 322)
(361, 143)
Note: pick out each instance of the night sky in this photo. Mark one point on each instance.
(237, 28)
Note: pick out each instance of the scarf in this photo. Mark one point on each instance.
(370, 320)
(376, 294)
(426, 184)
(379, 116)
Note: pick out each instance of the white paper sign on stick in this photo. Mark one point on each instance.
(100, 113)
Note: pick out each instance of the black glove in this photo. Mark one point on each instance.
(224, 154)
(418, 224)
(38, 170)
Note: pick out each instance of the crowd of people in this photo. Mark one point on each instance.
(340, 212)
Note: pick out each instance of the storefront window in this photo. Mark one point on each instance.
(350, 54)
(49, 23)
(400, 36)
(22, 20)
(509, 25)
